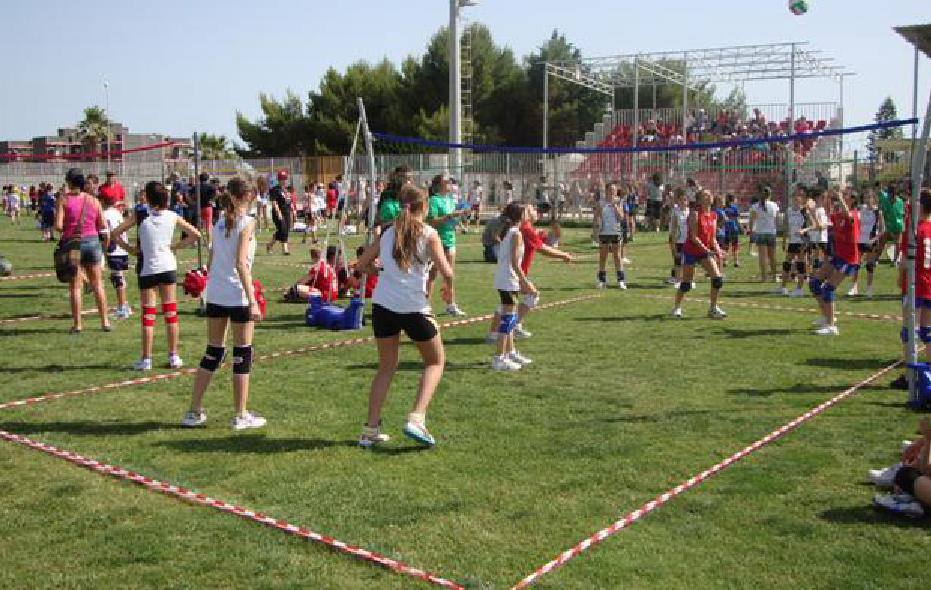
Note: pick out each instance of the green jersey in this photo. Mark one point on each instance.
(893, 210)
(439, 206)
(388, 206)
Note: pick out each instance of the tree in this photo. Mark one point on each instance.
(215, 147)
(736, 102)
(283, 130)
(886, 112)
(94, 128)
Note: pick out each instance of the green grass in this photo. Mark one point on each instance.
(621, 404)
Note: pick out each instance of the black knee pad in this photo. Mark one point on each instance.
(717, 282)
(905, 479)
(117, 280)
(800, 267)
(786, 266)
(213, 356)
(242, 360)
(685, 286)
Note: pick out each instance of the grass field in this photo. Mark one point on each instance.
(620, 404)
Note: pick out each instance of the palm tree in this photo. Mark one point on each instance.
(215, 147)
(95, 127)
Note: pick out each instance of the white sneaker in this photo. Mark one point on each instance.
(143, 365)
(902, 504)
(491, 338)
(853, 292)
(884, 478)
(716, 313)
(828, 331)
(621, 285)
(123, 313)
(677, 313)
(600, 285)
(249, 421)
(625, 260)
(174, 361)
(499, 363)
(782, 291)
(519, 358)
(675, 285)
(671, 281)
(797, 293)
(372, 436)
(520, 333)
(869, 292)
(820, 322)
(193, 419)
(453, 310)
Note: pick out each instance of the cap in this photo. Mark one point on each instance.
(282, 174)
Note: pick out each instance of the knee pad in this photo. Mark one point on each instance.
(905, 479)
(242, 360)
(786, 266)
(685, 286)
(717, 282)
(170, 311)
(800, 267)
(148, 316)
(212, 358)
(828, 293)
(924, 333)
(507, 323)
(814, 285)
(117, 280)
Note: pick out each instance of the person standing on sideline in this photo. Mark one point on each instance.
(655, 201)
(763, 230)
(112, 193)
(607, 221)
(117, 262)
(405, 250)
(281, 214)
(231, 301)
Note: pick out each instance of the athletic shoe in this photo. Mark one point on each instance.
(143, 365)
(247, 422)
(676, 285)
(716, 313)
(677, 313)
(797, 293)
(754, 254)
(869, 292)
(174, 361)
(820, 322)
(622, 285)
(372, 436)
(600, 285)
(671, 281)
(417, 431)
(193, 419)
(903, 504)
(504, 363)
(900, 382)
(453, 310)
(519, 358)
(122, 313)
(625, 260)
(828, 331)
(491, 338)
(782, 291)
(884, 478)
(853, 292)
(520, 333)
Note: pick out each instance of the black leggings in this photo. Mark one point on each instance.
(282, 227)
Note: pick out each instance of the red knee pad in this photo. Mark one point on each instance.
(148, 316)
(170, 311)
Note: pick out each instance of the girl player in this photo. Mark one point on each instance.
(230, 297)
(845, 263)
(794, 245)
(701, 247)
(607, 224)
(678, 232)
(869, 218)
(510, 281)
(732, 230)
(818, 231)
(406, 250)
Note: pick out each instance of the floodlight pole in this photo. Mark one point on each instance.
(790, 151)
(840, 81)
(685, 100)
(546, 105)
(634, 156)
(455, 85)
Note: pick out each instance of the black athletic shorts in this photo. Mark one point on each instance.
(507, 297)
(162, 278)
(237, 314)
(865, 248)
(654, 209)
(795, 248)
(118, 262)
(607, 240)
(419, 327)
(282, 228)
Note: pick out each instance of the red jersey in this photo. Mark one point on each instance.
(923, 261)
(706, 226)
(111, 194)
(323, 278)
(846, 232)
(532, 243)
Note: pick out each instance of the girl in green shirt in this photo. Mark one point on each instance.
(443, 215)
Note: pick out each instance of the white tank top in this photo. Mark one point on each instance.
(610, 224)
(681, 217)
(155, 234)
(505, 276)
(867, 222)
(404, 291)
(796, 222)
(223, 284)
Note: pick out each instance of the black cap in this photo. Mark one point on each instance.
(75, 178)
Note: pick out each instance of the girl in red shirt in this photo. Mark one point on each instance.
(701, 247)
(846, 261)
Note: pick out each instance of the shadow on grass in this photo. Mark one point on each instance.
(901, 405)
(62, 329)
(89, 428)
(798, 388)
(253, 444)
(863, 364)
(416, 366)
(629, 318)
(659, 417)
(869, 515)
(736, 333)
(59, 368)
(463, 341)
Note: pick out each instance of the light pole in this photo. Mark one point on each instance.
(455, 84)
(106, 98)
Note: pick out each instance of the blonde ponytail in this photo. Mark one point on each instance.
(407, 229)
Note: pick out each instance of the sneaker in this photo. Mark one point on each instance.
(121, 313)
(869, 292)
(600, 285)
(853, 292)
(819, 322)
(797, 293)
(193, 419)
(716, 313)
(675, 285)
(520, 333)
(622, 285)
(902, 504)
(417, 431)
(677, 313)
(900, 382)
(143, 365)
(453, 310)
(174, 361)
(249, 421)
(884, 478)
(671, 281)
(519, 358)
(625, 260)
(782, 291)
(372, 436)
(828, 331)
(499, 363)
(491, 338)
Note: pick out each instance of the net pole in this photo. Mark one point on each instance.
(200, 257)
(634, 156)
(370, 152)
(790, 146)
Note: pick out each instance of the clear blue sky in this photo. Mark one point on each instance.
(179, 65)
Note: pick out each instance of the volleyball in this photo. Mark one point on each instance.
(798, 7)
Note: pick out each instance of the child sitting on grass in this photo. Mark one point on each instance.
(320, 277)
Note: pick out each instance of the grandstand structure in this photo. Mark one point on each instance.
(736, 170)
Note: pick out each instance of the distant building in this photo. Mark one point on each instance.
(67, 144)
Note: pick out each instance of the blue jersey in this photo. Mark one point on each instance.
(631, 203)
(732, 223)
(47, 203)
(720, 230)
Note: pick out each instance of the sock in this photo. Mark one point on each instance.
(602, 276)
(620, 275)
(417, 418)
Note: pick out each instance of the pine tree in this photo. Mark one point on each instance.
(886, 112)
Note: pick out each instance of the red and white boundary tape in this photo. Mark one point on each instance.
(654, 504)
(284, 353)
(187, 495)
(38, 275)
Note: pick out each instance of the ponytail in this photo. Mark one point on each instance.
(236, 188)
(513, 214)
(407, 229)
